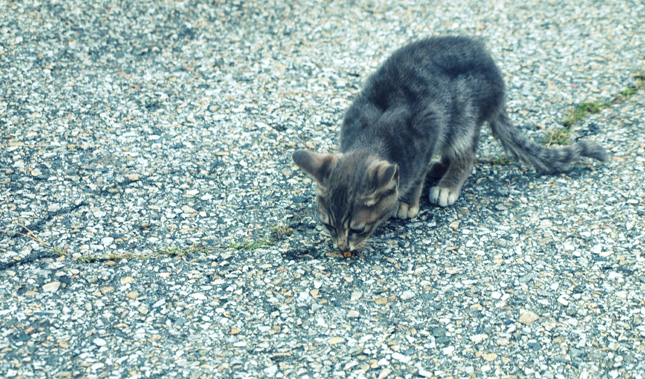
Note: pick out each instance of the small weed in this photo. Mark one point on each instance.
(277, 234)
(177, 252)
(560, 137)
(280, 232)
(632, 89)
(87, 259)
(118, 257)
(500, 161)
(108, 257)
(583, 109)
(59, 251)
(167, 252)
(197, 249)
(265, 242)
(172, 252)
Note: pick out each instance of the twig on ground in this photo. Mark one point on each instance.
(29, 234)
(304, 143)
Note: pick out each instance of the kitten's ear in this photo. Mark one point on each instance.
(384, 175)
(317, 165)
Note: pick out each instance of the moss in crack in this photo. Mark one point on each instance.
(166, 252)
(107, 257)
(582, 110)
(59, 251)
(632, 89)
(589, 107)
(499, 161)
(252, 245)
(280, 232)
(558, 137)
(87, 259)
(177, 252)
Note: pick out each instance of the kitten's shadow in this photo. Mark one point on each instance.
(496, 187)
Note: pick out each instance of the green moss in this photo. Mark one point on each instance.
(265, 242)
(59, 251)
(167, 252)
(582, 110)
(277, 234)
(632, 89)
(560, 137)
(118, 257)
(177, 252)
(87, 259)
(172, 252)
(280, 232)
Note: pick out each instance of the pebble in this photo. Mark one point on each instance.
(335, 340)
(107, 290)
(143, 309)
(406, 295)
(528, 317)
(489, 357)
(51, 287)
(384, 373)
(99, 342)
(353, 314)
(132, 177)
(478, 338)
(132, 295)
(401, 358)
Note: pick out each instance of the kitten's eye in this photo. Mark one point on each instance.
(357, 230)
(329, 227)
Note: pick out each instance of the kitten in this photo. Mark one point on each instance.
(430, 97)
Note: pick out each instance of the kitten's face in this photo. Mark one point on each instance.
(355, 193)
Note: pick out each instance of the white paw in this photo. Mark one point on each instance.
(442, 196)
(405, 211)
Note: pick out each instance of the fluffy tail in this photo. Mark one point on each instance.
(541, 157)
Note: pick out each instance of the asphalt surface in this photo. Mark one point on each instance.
(153, 225)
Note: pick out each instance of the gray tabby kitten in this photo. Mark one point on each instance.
(430, 97)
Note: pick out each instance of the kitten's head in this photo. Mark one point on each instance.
(356, 191)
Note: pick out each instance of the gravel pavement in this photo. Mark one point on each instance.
(153, 224)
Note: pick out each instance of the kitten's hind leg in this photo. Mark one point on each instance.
(447, 191)
(408, 206)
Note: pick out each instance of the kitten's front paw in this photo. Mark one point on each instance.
(405, 210)
(442, 196)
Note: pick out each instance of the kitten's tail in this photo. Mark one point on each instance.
(541, 157)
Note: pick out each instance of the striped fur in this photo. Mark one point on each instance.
(430, 97)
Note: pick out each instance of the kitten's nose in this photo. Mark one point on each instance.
(342, 244)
